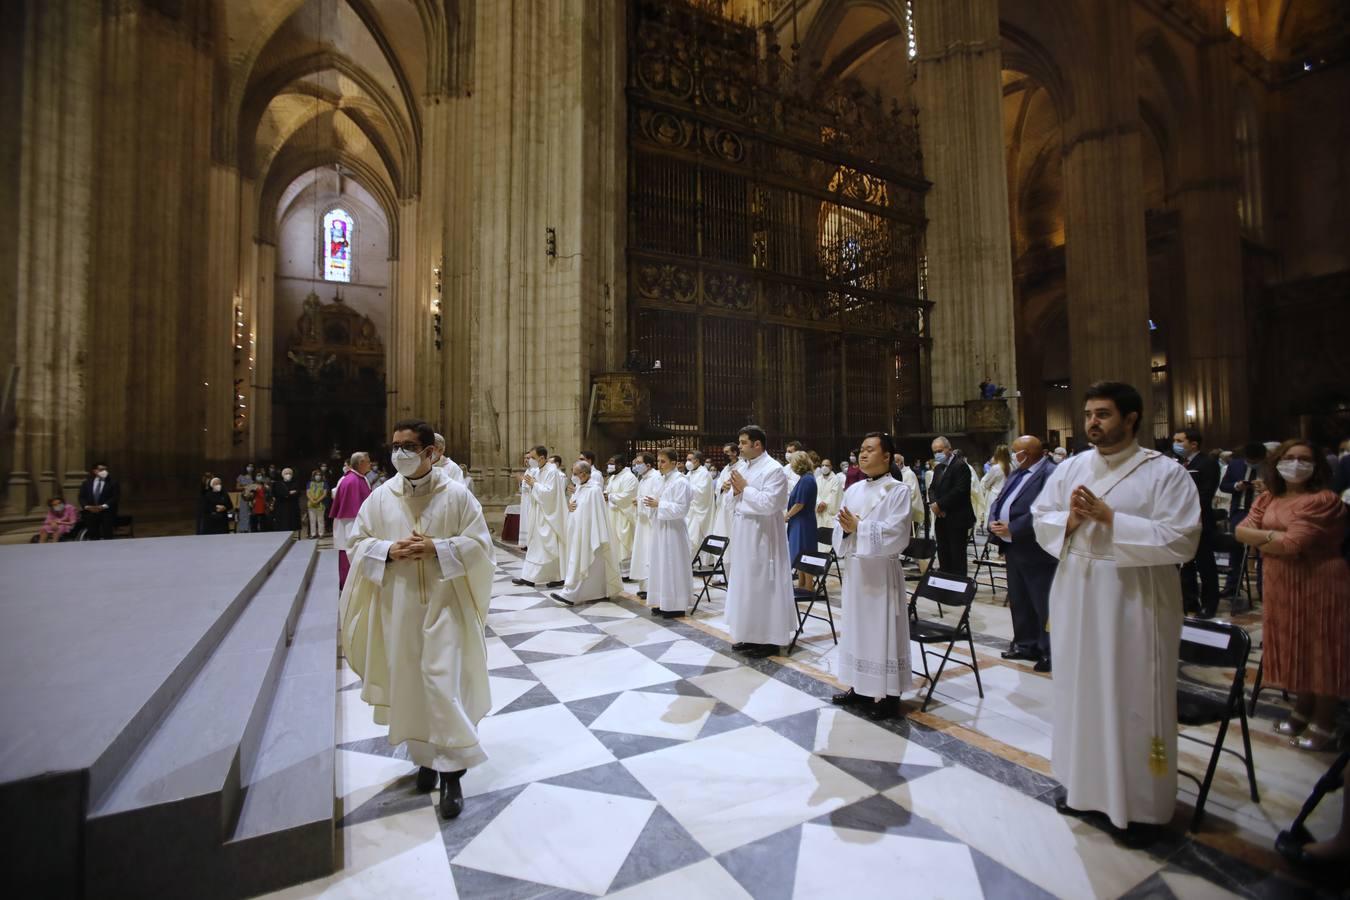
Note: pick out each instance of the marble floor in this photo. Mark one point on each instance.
(640, 757)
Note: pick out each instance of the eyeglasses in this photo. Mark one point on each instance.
(412, 447)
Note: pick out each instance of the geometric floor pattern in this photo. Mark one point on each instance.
(637, 757)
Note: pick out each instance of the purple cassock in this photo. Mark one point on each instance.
(352, 491)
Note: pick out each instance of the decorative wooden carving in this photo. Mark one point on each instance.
(988, 416)
(622, 400)
(775, 239)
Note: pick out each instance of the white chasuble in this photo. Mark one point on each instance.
(451, 470)
(413, 629)
(548, 523)
(760, 608)
(648, 486)
(670, 577)
(874, 646)
(1115, 611)
(702, 506)
(621, 494)
(592, 571)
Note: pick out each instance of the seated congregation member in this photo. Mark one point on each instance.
(670, 578)
(1299, 525)
(216, 508)
(547, 499)
(61, 518)
(872, 530)
(592, 571)
(412, 614)
(761, 614)
(801, 512)
(649, 485)
(1031, 570)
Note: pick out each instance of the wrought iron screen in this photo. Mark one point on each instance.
(775, 241)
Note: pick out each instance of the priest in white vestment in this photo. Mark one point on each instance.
(445, 463)
(649, 485)
(1120, 519)
(548, 521)
(702, 500)
(830, 493)
(523, 532)
(872, 530)
(412, 614)
(621, 495)
(592, 571)
(761, 612)
(670, 577)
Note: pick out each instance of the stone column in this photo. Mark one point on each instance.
(1105, 257)
(969, 251)
(1209, 373)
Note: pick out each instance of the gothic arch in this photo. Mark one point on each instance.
(291, 164)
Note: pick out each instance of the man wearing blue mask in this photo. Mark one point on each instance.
(949, 501)
(1204, 471)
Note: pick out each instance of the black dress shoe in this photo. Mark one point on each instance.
(1138, 835)
(642, 595)
(885, 708)
(656, 611)
(740, 647)
(554, 584)
(847, 698)
(1042, 665)
(1063, 807)
(1015, 653)
(452, 794)
(761, 651)
(426, 779)
(522, 581)
(1206, 614)
(673, 613)
(562, 600)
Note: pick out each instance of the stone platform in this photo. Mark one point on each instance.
(168, 708)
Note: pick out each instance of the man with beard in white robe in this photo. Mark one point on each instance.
(830, 493)
(649, 485)
(548, 521)
(670, 581)
(445, 463)
(702, 500)
(592, 563)
(413, 612)
(621, 495)
(871, 532)
(1120, 519)
(761, 613)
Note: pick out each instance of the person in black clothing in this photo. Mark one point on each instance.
(1204, 470)
(98, 503)
(286, 495)
(215, 509)
(1244, 470)
(949, 501)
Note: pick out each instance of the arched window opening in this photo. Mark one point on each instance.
(338, 231)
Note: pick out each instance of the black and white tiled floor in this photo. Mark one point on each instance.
(638, 757)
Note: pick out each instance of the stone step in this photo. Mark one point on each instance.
(178, 796)
(285, 832)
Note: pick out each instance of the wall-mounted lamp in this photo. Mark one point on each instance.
(551, 242)
(436, 302)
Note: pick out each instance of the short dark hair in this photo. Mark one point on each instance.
(588, 456)
(734, 448)
(646, 457)
(556, 460)
(1124, 396)
(1193, 436)
(540, 450)
(669, 453)
(619, 460)
(887, 442)
(794, 445)
(426, 435)
(696, 454)
(1254, 451)
(754, 433)
(1320, 479)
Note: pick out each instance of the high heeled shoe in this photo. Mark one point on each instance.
(1315, 739)
(1291, 726)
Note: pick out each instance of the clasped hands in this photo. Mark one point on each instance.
(651, 501)
(572, 506)
(416, 546)
(737, 482)
(1083, 504)
(847, 520)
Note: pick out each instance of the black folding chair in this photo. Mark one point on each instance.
(1225, 646)
(826, 536)
(991, 562)
(814, 565)
(1230, 556)
(944, 590)
(920, 550)
(714, 545)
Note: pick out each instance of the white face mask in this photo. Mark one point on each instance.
(406, 462)
(532, 463)
(609, 469)
(689, 465)
(215, 486)
(286, 476)
(639, 469)
(576, 480)
(1019, 458)
(1295, 471)
(1059, 455)
(102, 473)
(824, 470)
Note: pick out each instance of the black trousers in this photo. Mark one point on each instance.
(1029, 601)
(952, 538)
(1206, 598)
(99, 525)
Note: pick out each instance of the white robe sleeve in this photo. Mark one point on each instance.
(375, 559)
(674, 500)
(769, 499)
(448, 557)
(1170, 534)
(1050, 512)
(885, 531)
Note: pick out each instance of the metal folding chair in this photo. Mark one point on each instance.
(944, 590)
(812, 564)
(714, 545)
(826, 536)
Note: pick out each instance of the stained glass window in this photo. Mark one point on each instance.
(337, 246)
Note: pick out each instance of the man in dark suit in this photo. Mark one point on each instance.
(1239, 481)
(949, 501)
(1204, 471)
(1030, 569)
(98, 503)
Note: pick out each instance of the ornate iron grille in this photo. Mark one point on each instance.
(775, 241)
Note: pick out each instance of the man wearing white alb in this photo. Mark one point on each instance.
(649, 485)
(548, 521)
(761, 614)
(830, 494)
(445, 463)
(523, 535)
(1120, 519)
(702, 503)
(872, 529)
(621, 495)
(592, 564)
(670, 579)
(722, 487)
